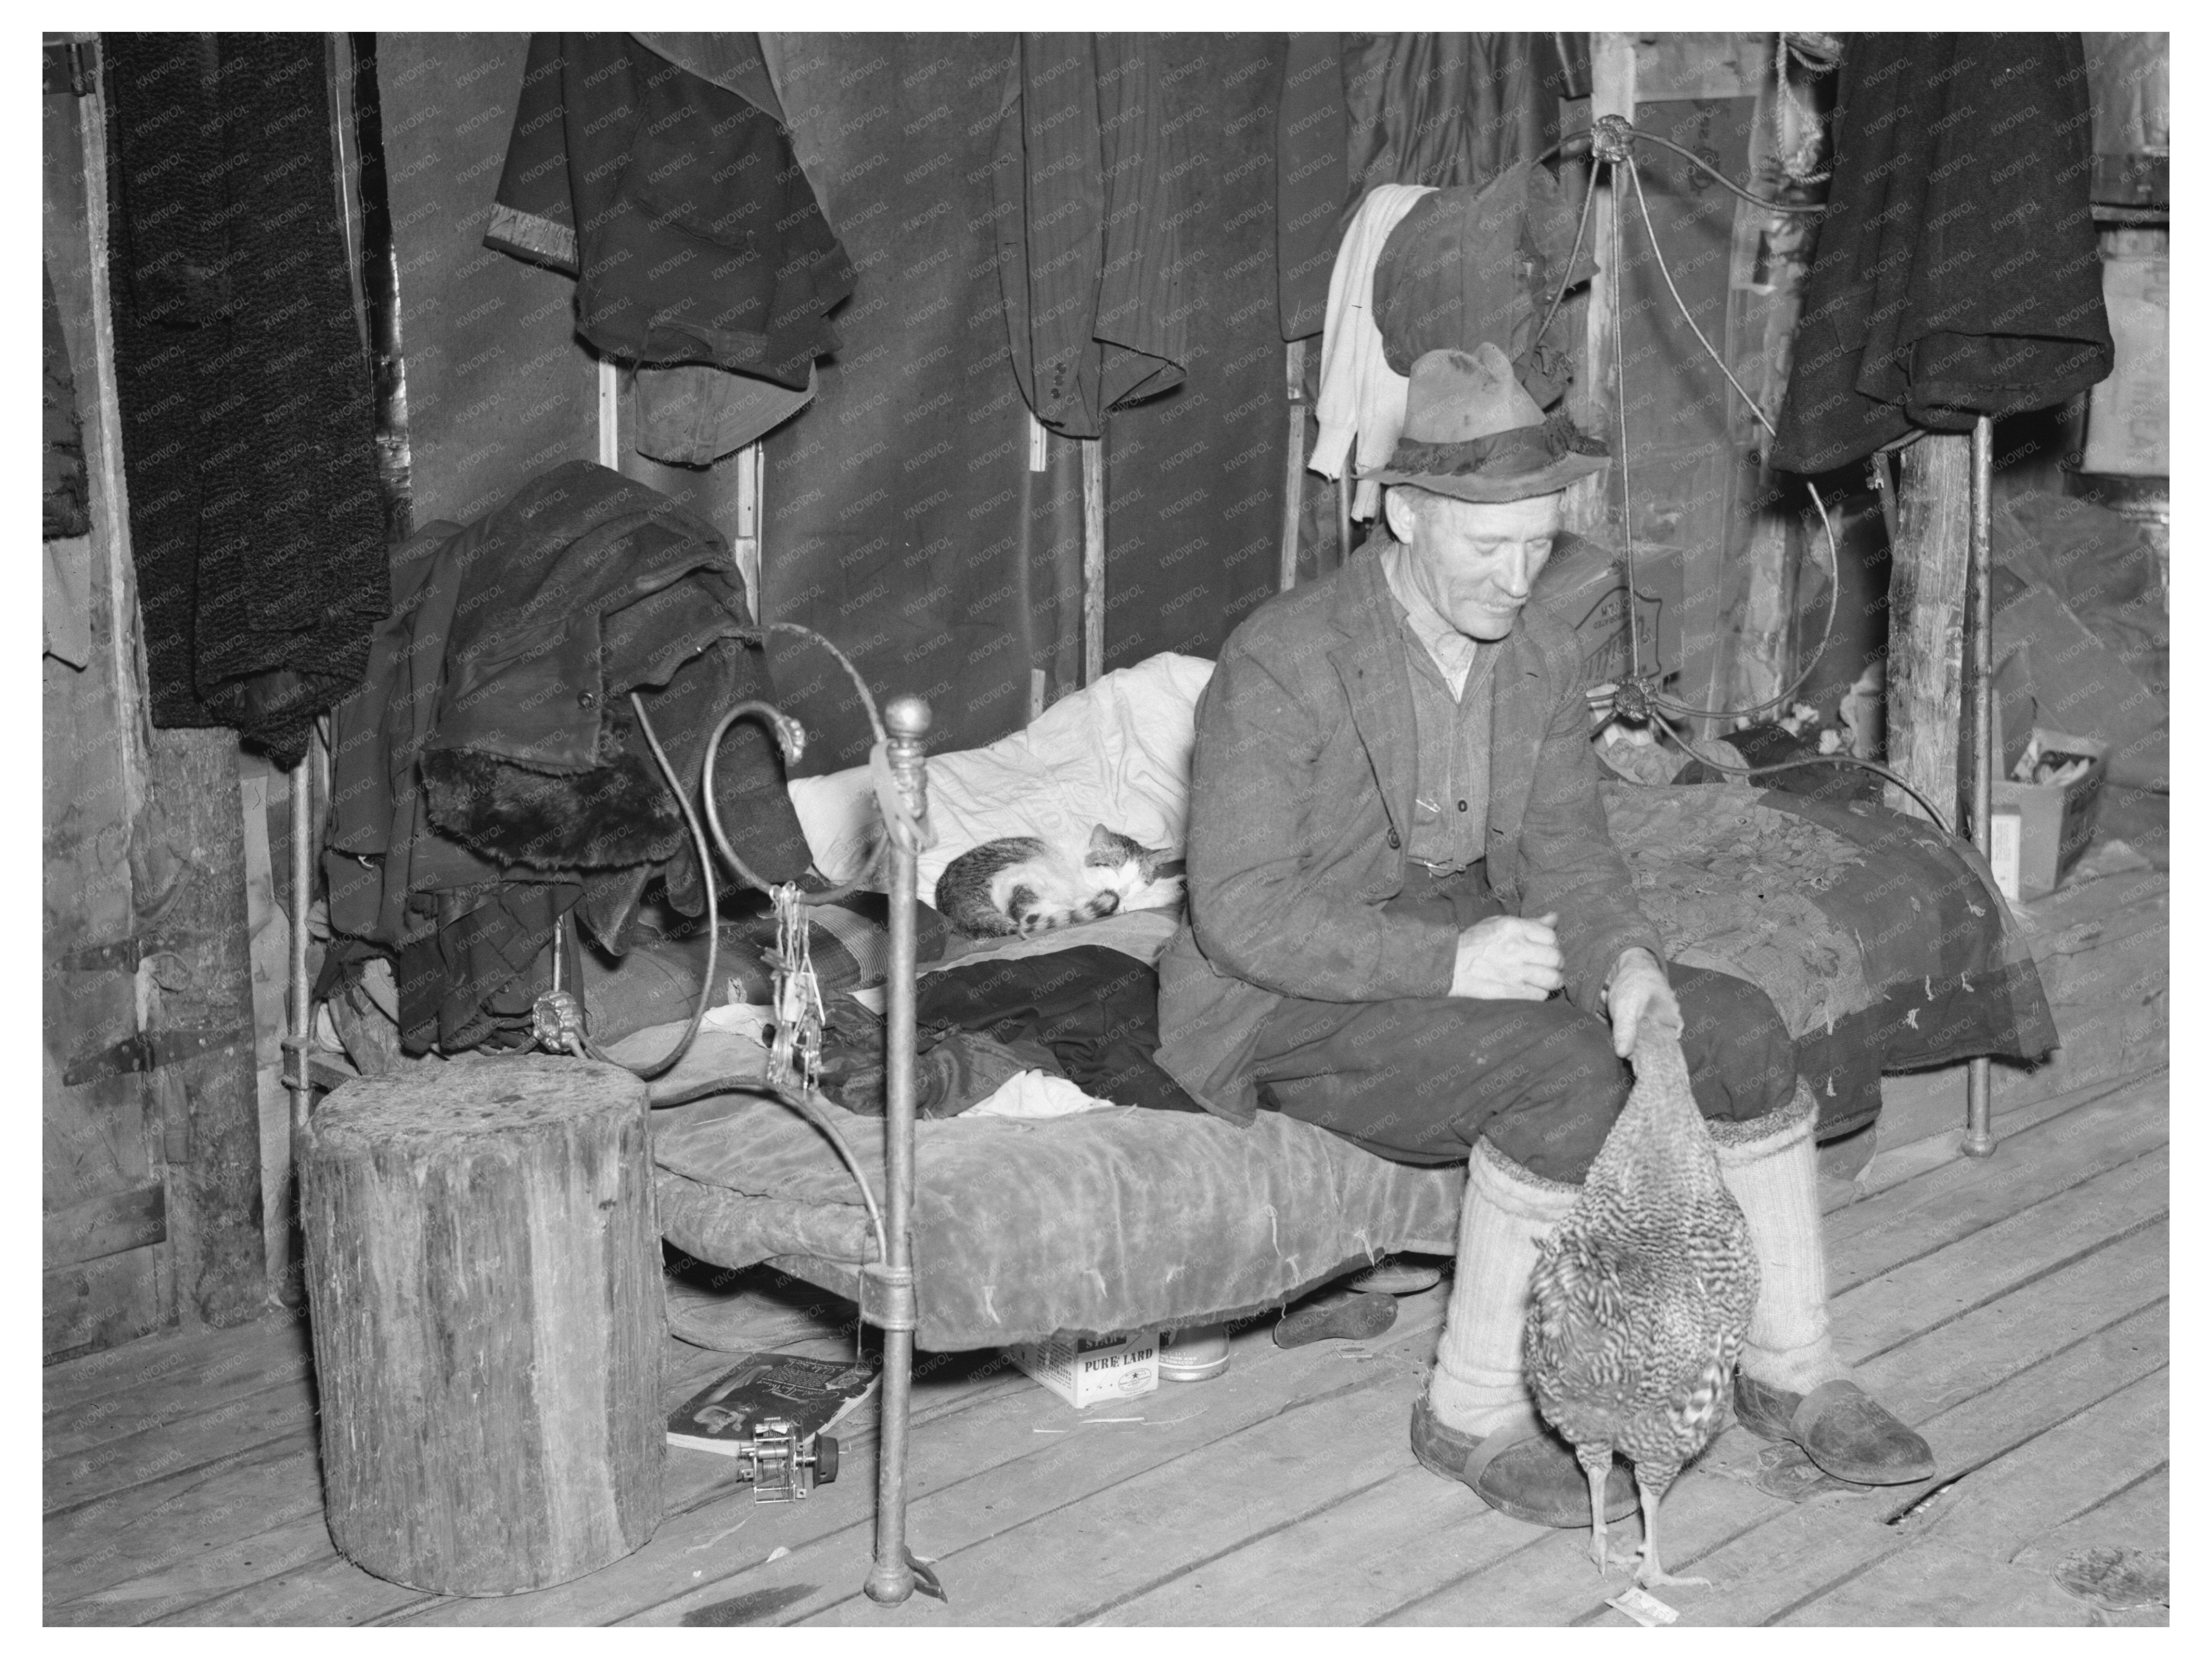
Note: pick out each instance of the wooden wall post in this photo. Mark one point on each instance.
(192, 876)
(1761, 333)
(151, 987)
(1294, 463)
(1613, 91)
(1927, 619)
(1094, 558)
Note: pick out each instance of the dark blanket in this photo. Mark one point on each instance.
(1957, 271)
(249, 424)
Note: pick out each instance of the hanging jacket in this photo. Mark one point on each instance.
(1361, 110)
(1090, 229)
(1468, 264)
(1956, 271)
(1447, 109)
(492, 746)
(675, 201)
(242, 377)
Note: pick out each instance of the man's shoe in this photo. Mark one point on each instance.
(1396, 1276)
(1521, 1468)
(1842, 1428)
(1347, 1314)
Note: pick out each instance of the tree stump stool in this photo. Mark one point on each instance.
(483, 1272)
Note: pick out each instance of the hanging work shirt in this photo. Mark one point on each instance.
(1450, 676)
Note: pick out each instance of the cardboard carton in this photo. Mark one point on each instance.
(2056, 820)
(1091, 1371)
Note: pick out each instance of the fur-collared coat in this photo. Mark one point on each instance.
(1302, 797)
(490, 768)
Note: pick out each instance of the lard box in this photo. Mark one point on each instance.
(1092, 1371)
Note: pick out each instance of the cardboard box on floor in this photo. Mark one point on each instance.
(1090, 1370)
(2056, 821)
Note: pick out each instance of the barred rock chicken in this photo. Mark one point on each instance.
(1640, 1300)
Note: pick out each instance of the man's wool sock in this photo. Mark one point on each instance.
(1768, 1166)
(1477, 1384)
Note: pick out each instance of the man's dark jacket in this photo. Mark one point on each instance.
(1302, 799)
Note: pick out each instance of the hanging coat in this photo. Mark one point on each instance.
(675, 201)
(1956, 272)
(242, 374)
(1356, 111)
(489, 774)
(1090, 229)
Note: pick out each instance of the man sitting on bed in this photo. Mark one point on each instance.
(1396, 855)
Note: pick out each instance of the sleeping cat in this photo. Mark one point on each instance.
(1024, 885)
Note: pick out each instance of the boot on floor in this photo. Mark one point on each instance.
(1790, 1384)
(1477, 1422)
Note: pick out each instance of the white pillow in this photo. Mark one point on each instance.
(1115, 753)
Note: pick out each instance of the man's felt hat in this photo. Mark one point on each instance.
(1473, 431)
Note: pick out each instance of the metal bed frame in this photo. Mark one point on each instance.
(887, 1299)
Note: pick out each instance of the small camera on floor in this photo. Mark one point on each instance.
(783, 1465)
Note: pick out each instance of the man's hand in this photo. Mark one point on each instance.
(1636, 992)
(1513, 958)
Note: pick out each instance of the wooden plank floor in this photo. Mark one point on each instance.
(2014, 1309)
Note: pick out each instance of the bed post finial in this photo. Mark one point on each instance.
(907, 717)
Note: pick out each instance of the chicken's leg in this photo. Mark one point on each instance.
(1649, 1572)
(1597, 1464)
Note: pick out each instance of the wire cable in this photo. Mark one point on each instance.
(1749, 771)
(1827, 525)
(1835, 558)
(1567, 275)
(1696, 160)
(1621, 409)
(1643, 207)
(590, 1051)
(1703, 165)
(791, 741)
(806, 1108)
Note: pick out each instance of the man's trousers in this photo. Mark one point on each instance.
(1417, 1079)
